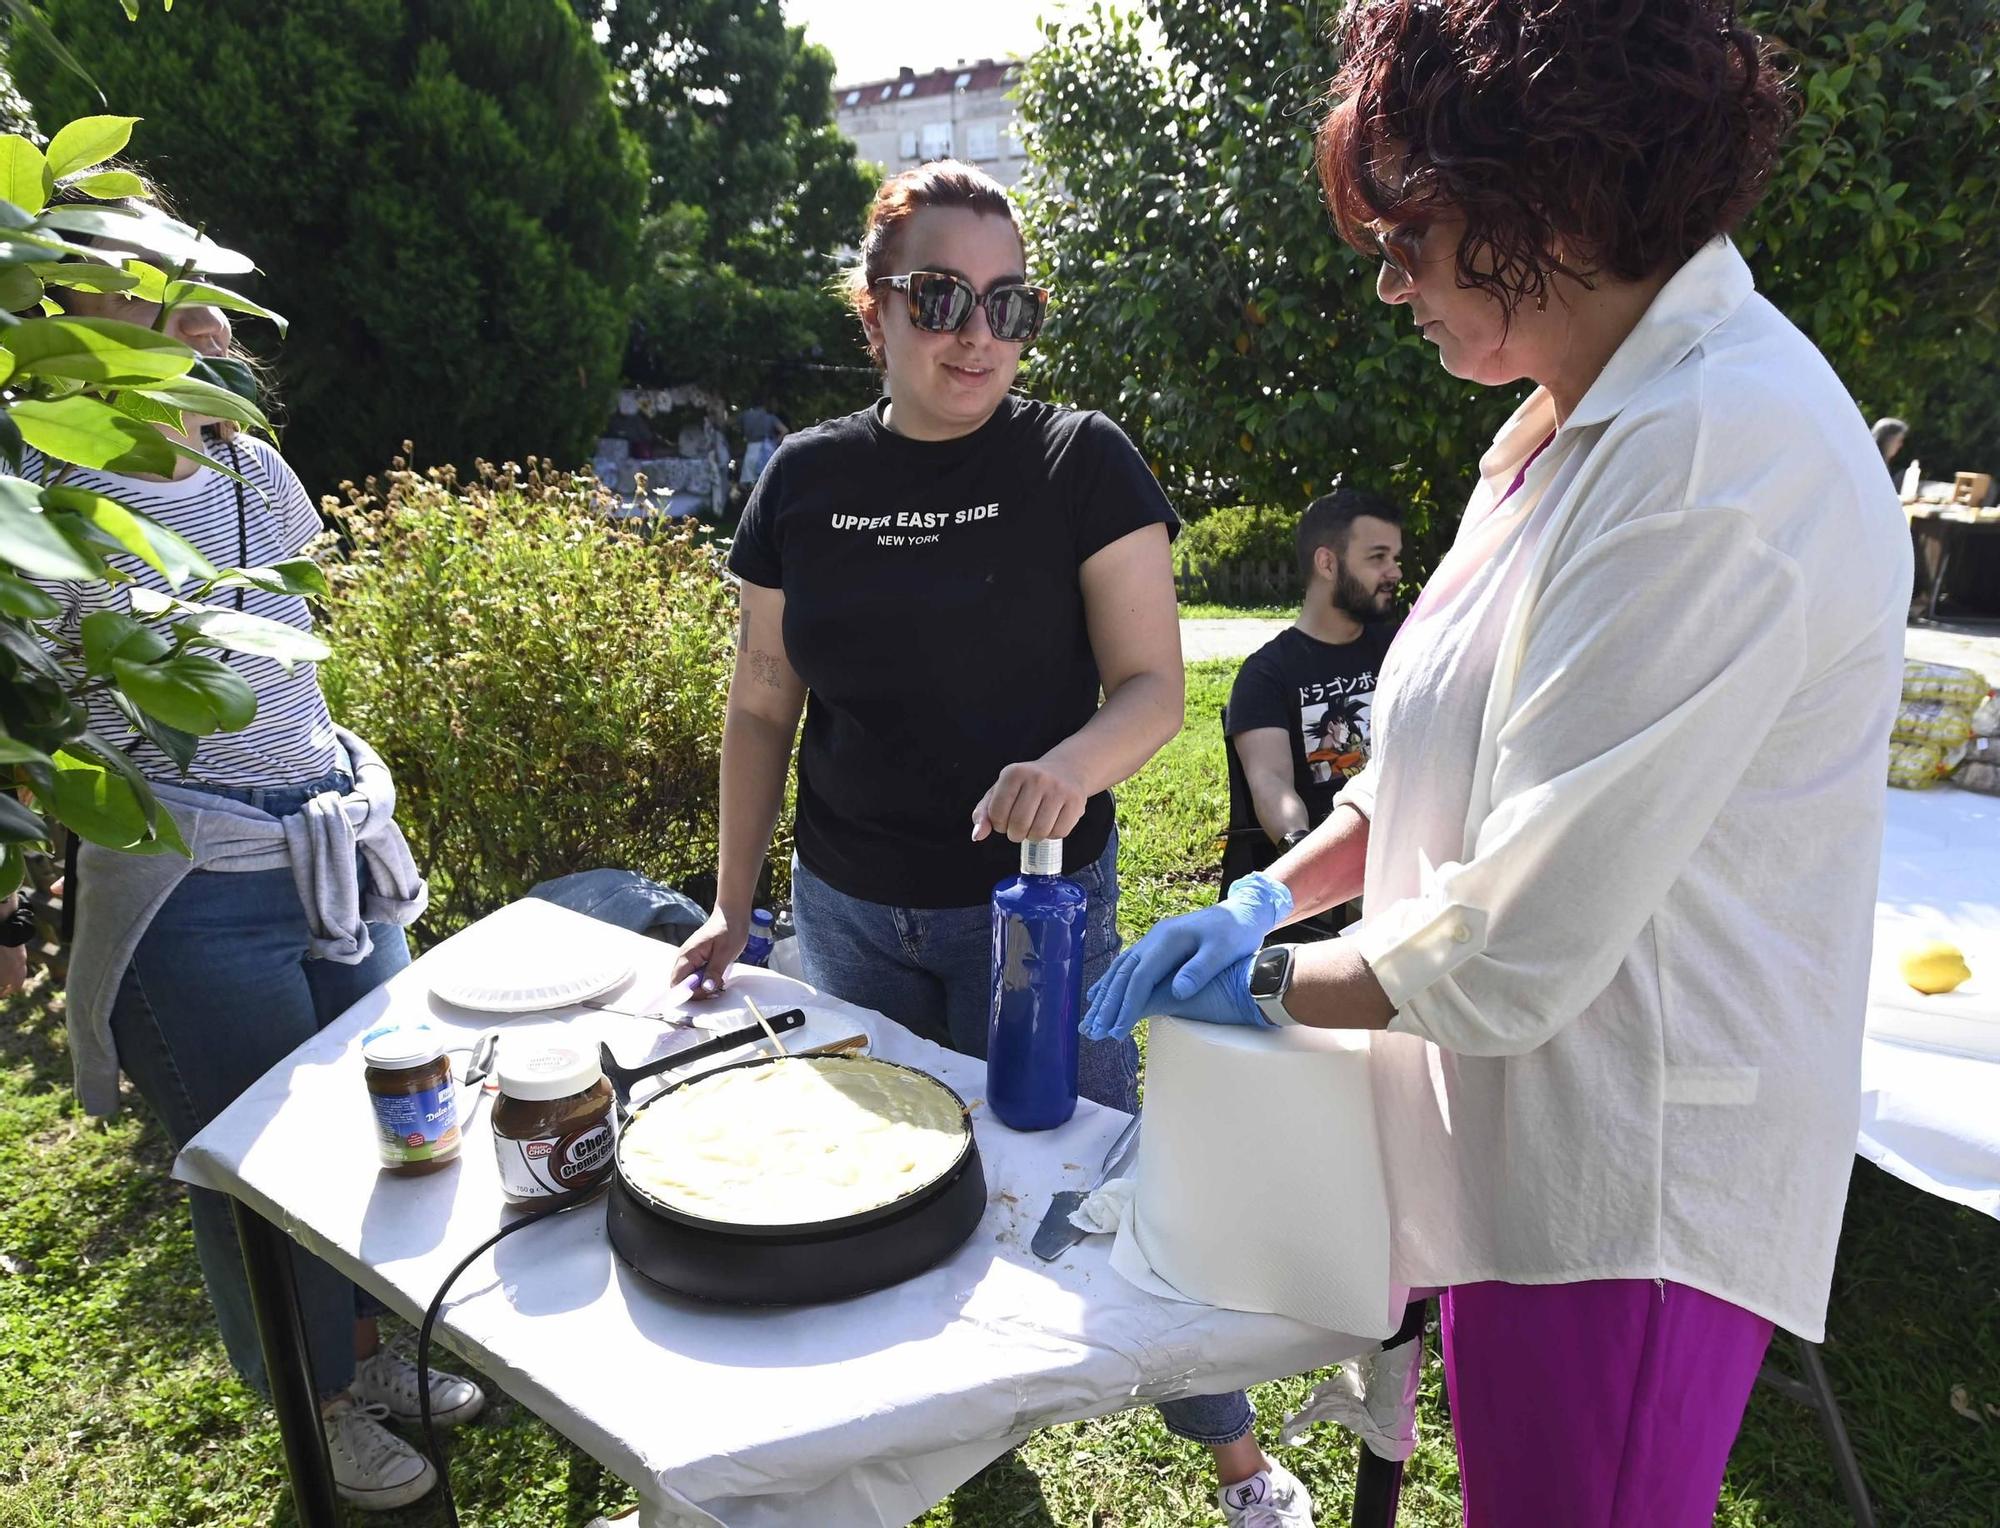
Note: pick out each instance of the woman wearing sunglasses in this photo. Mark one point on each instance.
(1619, 836)
(943, 583)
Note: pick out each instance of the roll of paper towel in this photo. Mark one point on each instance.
(1260, 1175)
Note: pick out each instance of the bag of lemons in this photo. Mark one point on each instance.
(1915, 766)
(1932, 721)
(1961, 687)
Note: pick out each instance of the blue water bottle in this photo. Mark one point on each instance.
(1031, 1039)
(757, 948)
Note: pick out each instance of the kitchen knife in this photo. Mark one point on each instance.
(1057, 1235)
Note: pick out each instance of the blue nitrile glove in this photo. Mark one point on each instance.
(1196, 966)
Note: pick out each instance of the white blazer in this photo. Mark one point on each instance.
(1626, 815)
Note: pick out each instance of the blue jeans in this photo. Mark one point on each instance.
(930, 969)
(219, 991)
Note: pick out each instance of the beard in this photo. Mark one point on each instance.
(1365, 602)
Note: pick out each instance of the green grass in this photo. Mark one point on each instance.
(1210, 612)
(117, 1407)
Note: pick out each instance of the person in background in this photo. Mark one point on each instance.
(1622, 828)
(1889, 437)
(762, 431)
(1299, 710)
(195, 980)
(945, 583)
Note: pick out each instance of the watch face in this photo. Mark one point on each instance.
(1267, 971)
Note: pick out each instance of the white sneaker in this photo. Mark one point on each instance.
(1271, 1498)
(372, 1467)
(390, 1380)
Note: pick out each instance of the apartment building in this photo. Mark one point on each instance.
(965, 112)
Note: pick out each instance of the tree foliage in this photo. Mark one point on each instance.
(1204, 300)
(754, 192)
(440, 191)
(1881, 235)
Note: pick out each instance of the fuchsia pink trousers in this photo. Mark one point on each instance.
(1606, 1404)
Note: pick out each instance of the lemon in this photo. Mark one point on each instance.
(1934, 966)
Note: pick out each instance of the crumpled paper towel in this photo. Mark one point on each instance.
(1373, 1396)
(1104, 1209)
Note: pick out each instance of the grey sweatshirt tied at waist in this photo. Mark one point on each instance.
(317, 844)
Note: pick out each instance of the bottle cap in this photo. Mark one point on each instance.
(762, 918)
(549, 1071)
(1041, 856)
(395, 1048)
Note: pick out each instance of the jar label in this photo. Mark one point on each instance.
(554, 1164)
(415, 1127)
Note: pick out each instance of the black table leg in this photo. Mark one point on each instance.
(1378, 1482)
(274, 1296)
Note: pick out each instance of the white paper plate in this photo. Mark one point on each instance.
(488, 968)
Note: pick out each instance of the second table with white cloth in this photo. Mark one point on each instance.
(865, 1412)
(1930, 1065)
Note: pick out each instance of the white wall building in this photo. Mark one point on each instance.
(966, 112)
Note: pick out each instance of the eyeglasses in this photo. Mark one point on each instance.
(941, 303)
(1402, 247)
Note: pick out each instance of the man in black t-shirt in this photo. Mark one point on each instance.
(1299, 711)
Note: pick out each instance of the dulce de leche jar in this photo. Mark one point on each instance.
(416, 1105)
(552, 1122)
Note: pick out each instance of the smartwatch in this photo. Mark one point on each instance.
(1271, 979)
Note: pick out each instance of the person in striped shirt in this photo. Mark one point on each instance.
(222, 983)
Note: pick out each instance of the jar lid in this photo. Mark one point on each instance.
(397, 1047)
(547, 1071)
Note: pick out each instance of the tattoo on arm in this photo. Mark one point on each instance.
(762, 666)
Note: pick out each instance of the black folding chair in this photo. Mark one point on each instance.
(1246, 847)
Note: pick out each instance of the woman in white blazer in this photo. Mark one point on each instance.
(1619, 837)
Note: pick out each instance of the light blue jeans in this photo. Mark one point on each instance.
(930, 969)
(219, 991)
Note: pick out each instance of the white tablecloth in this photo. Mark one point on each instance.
(1930, 1079)
(865, 1412)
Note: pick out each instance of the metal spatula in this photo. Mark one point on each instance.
(1056, 1235)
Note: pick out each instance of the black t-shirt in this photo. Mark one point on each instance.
(933, 608)
(1320, 694)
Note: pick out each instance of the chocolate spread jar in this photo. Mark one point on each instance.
(552, 1122)
(416, 1105)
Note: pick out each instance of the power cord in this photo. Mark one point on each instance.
(563, 1206)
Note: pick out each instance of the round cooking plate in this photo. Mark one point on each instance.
(801, 1263)
(826, 1066)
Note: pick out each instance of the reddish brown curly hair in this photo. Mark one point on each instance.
(1624, 133)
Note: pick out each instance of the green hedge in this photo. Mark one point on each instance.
(547, 685)
(1239, 532)
(1240, 554)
